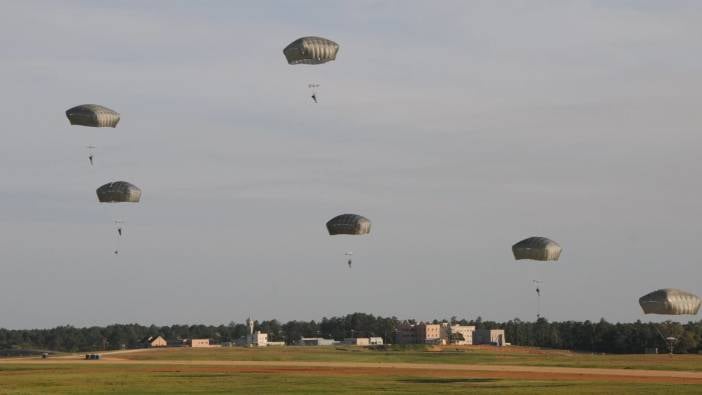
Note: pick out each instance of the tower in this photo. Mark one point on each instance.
(250, 326)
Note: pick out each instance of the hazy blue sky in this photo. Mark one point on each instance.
(458, 128)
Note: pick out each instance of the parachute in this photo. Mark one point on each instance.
(311, 50)
(93, 115)
(118, 192)
(348, 224)
(670, 301)
(537, 248)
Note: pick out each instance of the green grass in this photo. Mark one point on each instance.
(84, 377)
(98, 378)
(447, 355)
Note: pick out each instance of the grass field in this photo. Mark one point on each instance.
(453, 355)
(351, 370)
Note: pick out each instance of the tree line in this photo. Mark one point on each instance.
(600, 337)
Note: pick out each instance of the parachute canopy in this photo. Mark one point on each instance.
(348, 224)
(537, 248)
(311, 50)
(118, 192)
(670, 301)
(92, 115)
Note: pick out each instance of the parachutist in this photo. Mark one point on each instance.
(119, 231)
(314, 97)
(90, 158)
(116, 252)
(349, 264)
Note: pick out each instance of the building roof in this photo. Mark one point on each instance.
(149, 339)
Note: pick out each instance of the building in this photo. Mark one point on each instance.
(153, 341)
(429, 333)
(465, 331)
(375, 341)
(316, 341)
(443, 333)
(178, 343)
(495, 337)
(253, 338)
(406, 334)
(273, 344)
(357, 341)
(257, 339)
(198, 343)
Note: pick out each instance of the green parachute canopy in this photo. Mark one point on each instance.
(670, 301)
(93, 115)
(118, 192)
(537, 248)
(348, 224)
(311, 50)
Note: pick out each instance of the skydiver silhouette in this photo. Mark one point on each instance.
(119, 230)
(314, 97)
(116, 252)
(90, 158)
(349, 264)
(538, 291)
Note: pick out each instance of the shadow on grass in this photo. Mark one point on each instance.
(447, 381)
(500, 383)
(196, 375)
(38, 368)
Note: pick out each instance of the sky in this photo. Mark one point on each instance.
(457, 128)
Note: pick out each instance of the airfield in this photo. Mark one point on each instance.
(348, 369)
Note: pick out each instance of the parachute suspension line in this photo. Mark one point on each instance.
(111, 214)
(118, 244)
(119, 228)
(91, 154)
(669, 341)
(538, 298)
(314, 88)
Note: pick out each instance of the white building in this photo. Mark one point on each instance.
(316, 341)
(253, 339)
(466, 331)
(357, 341)
(491, 336)
(257, 339)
